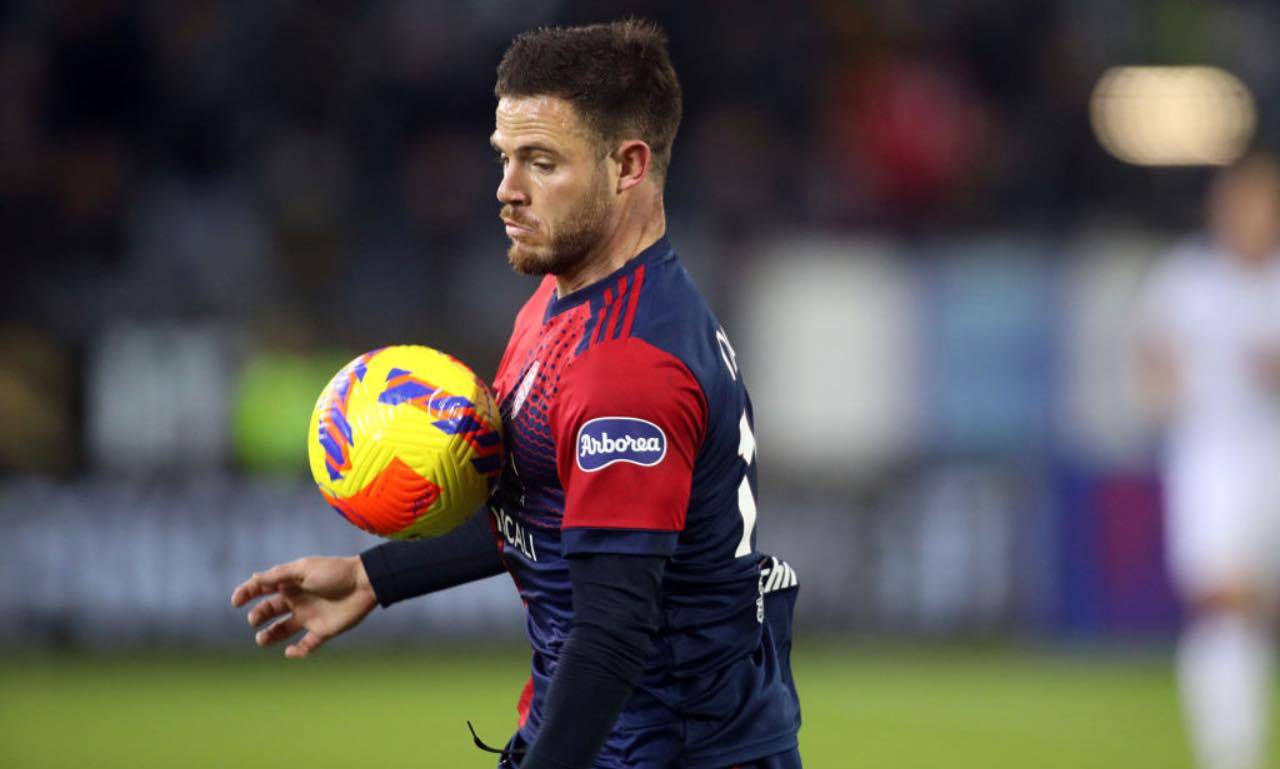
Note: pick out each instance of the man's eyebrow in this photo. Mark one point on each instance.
(526, 149)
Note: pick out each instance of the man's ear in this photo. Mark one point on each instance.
(633, 158)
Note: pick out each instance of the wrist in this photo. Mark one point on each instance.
(363, 585)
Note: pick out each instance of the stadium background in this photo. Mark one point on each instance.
(901, 210)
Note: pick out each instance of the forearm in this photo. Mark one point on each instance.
(1158, 380)
(401, 570)
(617, 611)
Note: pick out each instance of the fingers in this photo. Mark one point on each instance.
(269, 608)
(264, 582)
(279, 631)
(309, 643)
(251, 588)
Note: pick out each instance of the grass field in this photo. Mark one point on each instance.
(875, 708)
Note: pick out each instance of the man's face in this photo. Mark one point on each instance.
(556, 188)
(1245, 214)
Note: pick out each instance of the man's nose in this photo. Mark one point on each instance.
(510, 192)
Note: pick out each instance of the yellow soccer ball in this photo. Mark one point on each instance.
(405, 442)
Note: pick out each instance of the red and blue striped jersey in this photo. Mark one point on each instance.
(629, 431)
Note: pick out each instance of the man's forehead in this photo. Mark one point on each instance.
(546, 117)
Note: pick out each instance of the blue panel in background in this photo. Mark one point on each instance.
(988, 348)
(1077, 599)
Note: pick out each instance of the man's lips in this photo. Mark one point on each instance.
(514, 228)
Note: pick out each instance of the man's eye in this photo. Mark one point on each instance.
(500, 160)
(543, 165)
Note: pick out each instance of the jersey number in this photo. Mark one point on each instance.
(746, 500)
(746, 450)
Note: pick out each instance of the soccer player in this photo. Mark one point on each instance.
(626, 512)
(1211, 355)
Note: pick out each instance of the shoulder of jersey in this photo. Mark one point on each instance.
(674, 317)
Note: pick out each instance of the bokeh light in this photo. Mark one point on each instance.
(1173, 116)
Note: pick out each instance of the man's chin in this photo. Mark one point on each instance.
(528, 261)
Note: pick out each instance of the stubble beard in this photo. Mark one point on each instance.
(573, 241)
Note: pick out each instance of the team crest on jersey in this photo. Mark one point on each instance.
(606, 440)
(522, 392)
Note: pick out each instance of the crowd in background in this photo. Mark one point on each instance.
(319, 173)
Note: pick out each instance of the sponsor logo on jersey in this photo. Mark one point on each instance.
(513, 533)
(606, 440)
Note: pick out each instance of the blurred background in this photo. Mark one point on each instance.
(923, 224)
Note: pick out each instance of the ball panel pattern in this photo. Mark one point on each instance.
(406, 442)
(390, 503)
(329, 423)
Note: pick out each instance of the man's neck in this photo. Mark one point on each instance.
(632, 235)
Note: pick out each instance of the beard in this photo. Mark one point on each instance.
(572, 239)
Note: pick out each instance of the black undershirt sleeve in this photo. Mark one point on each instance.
(407, 569)
(617, 609)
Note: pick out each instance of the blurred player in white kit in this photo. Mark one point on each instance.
(1210, 330)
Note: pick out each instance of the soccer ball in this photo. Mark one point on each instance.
(405, 442)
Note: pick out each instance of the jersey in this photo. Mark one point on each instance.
(629, 431)
(1218, 318)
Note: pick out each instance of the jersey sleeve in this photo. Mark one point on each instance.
(628, 425)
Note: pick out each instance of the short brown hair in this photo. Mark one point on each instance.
(618, 76)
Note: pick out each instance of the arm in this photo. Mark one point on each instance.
(621, 524)
(1157, 378)
(401, 570)
(1267, 365)
(327, 596)
(617, 610)
(1158, 306)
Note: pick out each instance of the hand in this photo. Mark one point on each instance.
(1267, 364)
(1158, 379)
(322, 595)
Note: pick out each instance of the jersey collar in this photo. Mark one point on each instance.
(660, 250)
